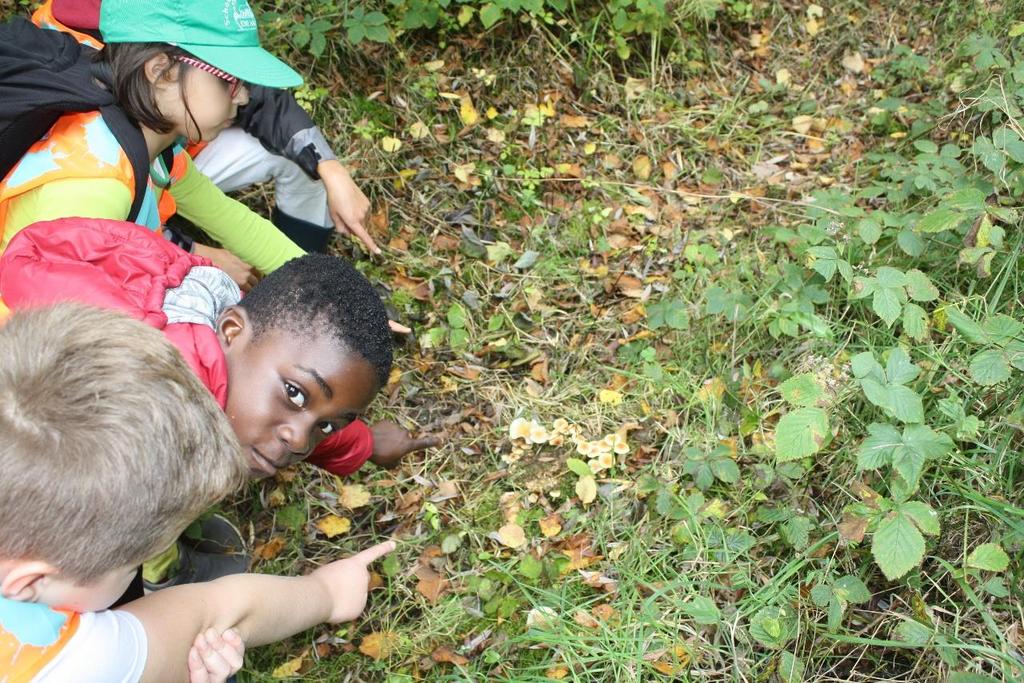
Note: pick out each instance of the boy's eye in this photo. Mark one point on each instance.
(327, 428)
(295, 395)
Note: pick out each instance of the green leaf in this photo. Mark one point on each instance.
(915, 322)
(939, 220)
(898, 367)
(989, 367)
(801, 433)
(456, 316)
(914, 633)
(490, 14)
(531, 567)
(797, 531)
(887, 303)
(876, 450)
(726, 469)
(773, 627)
(292, 516)
(919, 287)
(989, 557)
(891, 277)
(869, 230)
(791, 669)
(969, 199)
(802, 390)
(966, 677)
(703, 610)
(908, 464)
(897, 545)
(971, 330)
(905, 404)
(1001, 329)
(877, 393)
(579, 468)
(821, 594)
(865, 365)
(931, 444)
(926, 519)
(851, 589)
(910, 242)
(317, 44)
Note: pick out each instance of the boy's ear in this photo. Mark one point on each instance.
(24, 579)
(232, 324)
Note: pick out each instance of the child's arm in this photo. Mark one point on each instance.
(241, 231)
(261, 608)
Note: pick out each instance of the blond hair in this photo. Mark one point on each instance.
(109, 444)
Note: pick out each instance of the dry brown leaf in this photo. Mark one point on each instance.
(270, 549)
(445, 655)
(333, 525)
(853, 528)
(584, 619)
(417, 288)
(512, 535)
(604, 612)
(853, 62)
(431, 585)
(557, 673)
(570, 121)
(379, 644)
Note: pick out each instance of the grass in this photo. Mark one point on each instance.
(620, 592)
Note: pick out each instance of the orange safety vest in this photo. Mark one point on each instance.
(20, 662)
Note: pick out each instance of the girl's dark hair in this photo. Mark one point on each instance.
(131, 88)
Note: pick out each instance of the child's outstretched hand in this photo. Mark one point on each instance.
(391, 443)
(214, 657)
(347, 582)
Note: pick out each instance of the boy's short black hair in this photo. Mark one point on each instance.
(321, 293)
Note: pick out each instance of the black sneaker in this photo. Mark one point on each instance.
(195, 566)
(214, 534)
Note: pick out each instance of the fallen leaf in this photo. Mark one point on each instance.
(570, 121)
(496, 136)
(270, 549)
(642, 167)
(291, 667)
(491, 113)
(333, 525)
(467, 112)
(712, 389)
(853, 528)
(418, 130)
(541, 617)
(586, 490)
(584, 619)
(354, 496)
(433, 66)
(604, 612)
(512, 535)
(390, 144)
(557, 673)
(431, 585)
(853, 62)
(802, 124)
(379, 644)
(551, 525)
(609, 396)
(783, 77)
(445, 655)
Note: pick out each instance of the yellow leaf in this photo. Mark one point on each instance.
(496, 136)
(802, 124)
(547, 109)
(390, 145)
(491, 114)
(291, 667)
(465, 15)
(572, 121)
(551, 525)
(854, 62)
(467, 112)
(609, 396)
(512, 535)
(589, 148)
(333, 525)
(642, 167)
(379, 644)
(812, 26)
(557, 673)
(713, 389)
(435, 65)
(354, 496)
(464, 171)
(586, 490)
(783, 77)
(418, 130)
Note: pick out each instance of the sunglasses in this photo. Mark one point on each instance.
(235, 84)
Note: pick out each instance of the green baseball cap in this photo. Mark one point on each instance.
(221, 33)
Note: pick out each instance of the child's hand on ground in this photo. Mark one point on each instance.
(215, 657)
(348, 581)
(238, 270)
(391, 443)
(346, 203)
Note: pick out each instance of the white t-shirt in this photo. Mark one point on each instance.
(108, 647)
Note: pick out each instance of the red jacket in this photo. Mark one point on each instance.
(120, 265)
